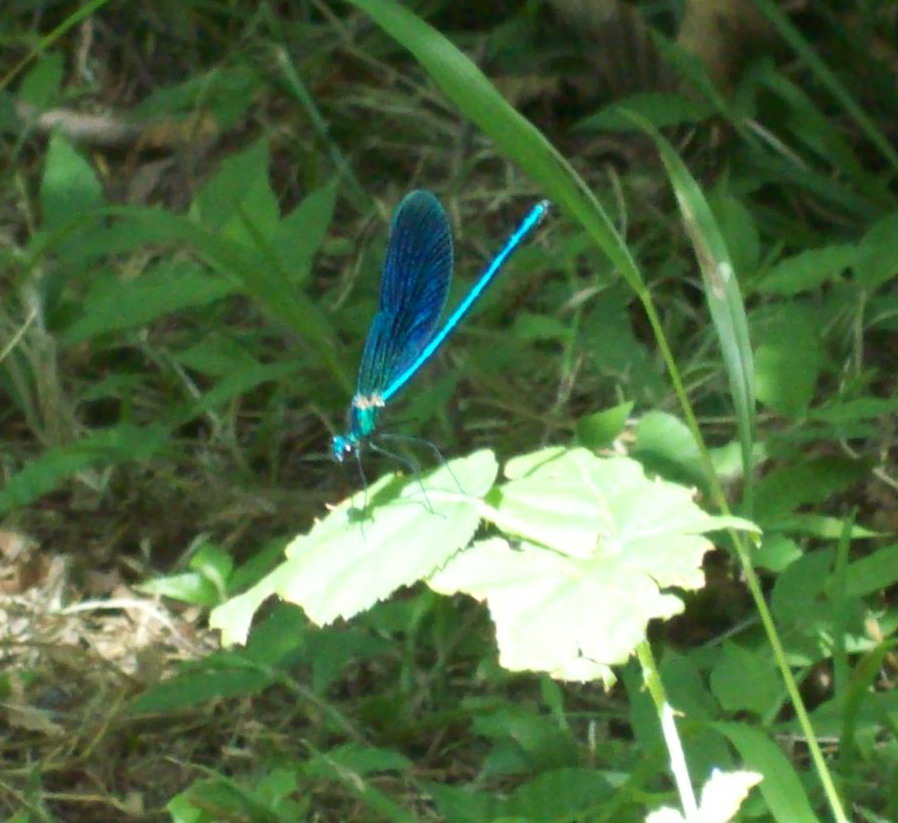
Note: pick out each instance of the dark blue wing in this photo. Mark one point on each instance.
(416, 278)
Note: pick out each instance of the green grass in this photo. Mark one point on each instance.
(669, 425)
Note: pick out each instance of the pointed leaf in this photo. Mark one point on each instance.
(782, 788)
(353, 558)
(69, 187)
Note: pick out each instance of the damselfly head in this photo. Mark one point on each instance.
(342, 446)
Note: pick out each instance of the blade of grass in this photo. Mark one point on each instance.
(821, 134)
(463, 83)
(522, 142)
(299, 90)
(723, 296)
(49, 39)
(828, 78)
(519, 140)
(728, 315)
(475, 96)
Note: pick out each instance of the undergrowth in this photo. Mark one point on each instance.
(659, 553)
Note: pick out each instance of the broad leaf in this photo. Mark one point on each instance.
(395, 534)
(599, 544)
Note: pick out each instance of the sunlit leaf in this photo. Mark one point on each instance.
(598, 547)
(395, 534)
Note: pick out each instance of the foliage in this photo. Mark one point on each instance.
(176, 346)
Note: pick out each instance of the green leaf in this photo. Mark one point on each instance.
(687, 690)
(220, 675)
(660, 108)
(598, 430)
(607, 336)
(217, 355)
(808, 270)
(721, 292)
(242, 381)
(120, 444)
(205, 584)
(182, 809)
(782, 788)
(873, 573)
(267, 800)
(665, 444)
(40, 87)
(783, 490)
(726, 460)
(745, 680)
(739, 229)
(279, 635)
(345, 565)
(597, 547)
(225, 92)
(823, 527)
(69, 187)
(461, 804)
(133, 228)
(803, 610)
(187, 587)
(382, 805)
(524, 741)
(353, 558)
(254, 269)
(115, 305)
(528, 326)
(334, 651)
(213, 563)
(235, 617)
(776, 552)
(263, 559)
(212, 800)
(359, 759)
(877, 258)
(863, 408)
(240, 192)
(300, 234)
(561, 794)
(789, 359)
